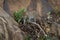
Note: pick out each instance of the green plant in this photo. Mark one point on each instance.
(19, 14)
(57, 11)
(27, 37)
(42, 37)
(49, 16)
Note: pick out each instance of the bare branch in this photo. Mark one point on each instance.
(39, 27)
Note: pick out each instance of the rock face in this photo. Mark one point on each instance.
(15, 5)
(42, 5)
(9, 29)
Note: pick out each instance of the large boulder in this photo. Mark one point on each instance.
(9, 29)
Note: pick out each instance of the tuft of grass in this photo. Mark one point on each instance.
(19, 14)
